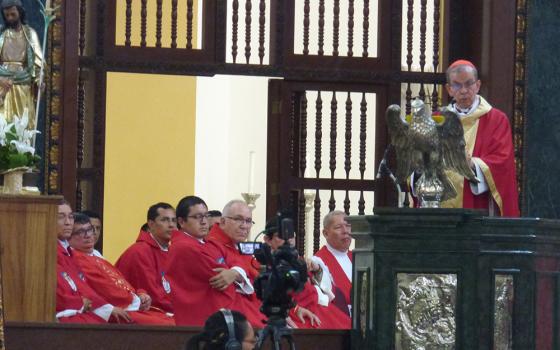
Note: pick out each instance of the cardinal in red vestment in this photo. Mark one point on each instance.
(489, 147)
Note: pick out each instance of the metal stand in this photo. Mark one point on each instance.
(276, 329)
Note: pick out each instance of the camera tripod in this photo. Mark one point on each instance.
(276, 329)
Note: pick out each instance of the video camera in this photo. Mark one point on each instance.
(284, 272)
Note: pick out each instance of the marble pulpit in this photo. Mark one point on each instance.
(455, 279)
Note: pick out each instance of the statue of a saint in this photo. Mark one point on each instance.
(20, 62)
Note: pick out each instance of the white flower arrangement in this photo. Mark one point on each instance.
(16, 150)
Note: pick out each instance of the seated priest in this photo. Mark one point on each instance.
(76, 302)
(143, 263)
(317, 294)
(202, 276)
(109, 283)
(233, 228)
(97, 226)
(214, 216)
(336, 256)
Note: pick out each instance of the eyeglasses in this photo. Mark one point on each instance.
(241, 221)
(84, 232)
(455, 86)
(199, 217)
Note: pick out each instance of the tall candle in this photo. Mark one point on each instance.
(251, 188)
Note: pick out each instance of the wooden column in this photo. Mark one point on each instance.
(28, 257)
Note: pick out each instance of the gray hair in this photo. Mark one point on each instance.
(329, 217)
(460, 69)
(231, 203)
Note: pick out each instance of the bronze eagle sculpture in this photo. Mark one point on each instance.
(426, 147)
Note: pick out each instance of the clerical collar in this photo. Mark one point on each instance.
(336, 252)
(162, 247)
(466, 111)
(193, 237)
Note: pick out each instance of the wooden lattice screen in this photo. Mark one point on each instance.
(386, 51)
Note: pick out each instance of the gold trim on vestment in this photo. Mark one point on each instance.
(470, 129)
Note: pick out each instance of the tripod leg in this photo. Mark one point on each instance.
(292, 343)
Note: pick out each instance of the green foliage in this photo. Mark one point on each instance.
(10, 158)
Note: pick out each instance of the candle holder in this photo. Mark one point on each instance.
(309, 198)
(251, 199)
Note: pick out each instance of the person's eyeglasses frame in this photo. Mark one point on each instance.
(455, 86)
(240, 221)
(199, 217)
(83, 232)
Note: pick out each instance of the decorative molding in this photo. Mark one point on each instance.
(519, 101)
(425, 317)
(503, 311)
(53, 117)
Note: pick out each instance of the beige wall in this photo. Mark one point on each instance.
(149, 150)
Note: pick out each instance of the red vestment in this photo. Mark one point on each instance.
(143, 265)
(190, 267)
(71, 288)
(246, 262)
(331, 316)
(494, 147)
(110, 284)
(342, 285)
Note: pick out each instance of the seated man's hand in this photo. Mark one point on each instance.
(87, 304)
(120, 315)
(224, 278)
(145, 301)
(303, 313)
(312, 266)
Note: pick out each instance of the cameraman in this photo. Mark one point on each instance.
(314, 302)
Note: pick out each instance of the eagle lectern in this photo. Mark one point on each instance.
(455, 279)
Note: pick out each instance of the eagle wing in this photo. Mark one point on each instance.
(400, 139)
(452, 142)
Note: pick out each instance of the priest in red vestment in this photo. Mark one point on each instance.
(143, 263)
(336, 256)
(202, 278)
(108, 282)
(76, 302)
(489, 147)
